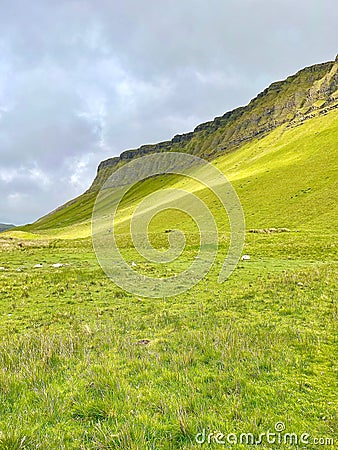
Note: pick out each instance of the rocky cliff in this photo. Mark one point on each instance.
(309, 92)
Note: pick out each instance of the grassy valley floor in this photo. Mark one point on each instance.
(77, 370)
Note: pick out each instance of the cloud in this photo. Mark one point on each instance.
(81, 81)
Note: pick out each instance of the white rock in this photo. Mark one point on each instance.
(37, 266)
(245, 257)
(2, 268)
(133, 264)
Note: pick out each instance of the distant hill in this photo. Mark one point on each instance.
(278, 152)
(5, 226)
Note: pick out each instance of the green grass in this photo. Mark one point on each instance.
(236, 357)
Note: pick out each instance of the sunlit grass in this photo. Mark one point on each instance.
(86, 365)
(235, 357)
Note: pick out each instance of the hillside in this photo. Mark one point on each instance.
(309, 92)
(5, 226)
(278, 152)
(154, 354)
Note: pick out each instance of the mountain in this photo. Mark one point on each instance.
(277, 151)
(310, 91)
(5, 226)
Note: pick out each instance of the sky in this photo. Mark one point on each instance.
(83, 80)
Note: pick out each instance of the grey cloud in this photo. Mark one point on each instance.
(83, 80)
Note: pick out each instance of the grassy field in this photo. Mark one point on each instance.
(85, 365)
(75, 372)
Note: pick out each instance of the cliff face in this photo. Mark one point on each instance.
(311, 91)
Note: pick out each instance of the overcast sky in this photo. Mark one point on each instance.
(81, 81)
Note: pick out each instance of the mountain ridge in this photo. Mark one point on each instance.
(5, 226)
(295, 99)
(270, 125)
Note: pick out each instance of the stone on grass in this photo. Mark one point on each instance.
(245, 257)
(143, 342)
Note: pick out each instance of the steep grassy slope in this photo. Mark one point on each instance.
(278, 151)
(286, 179)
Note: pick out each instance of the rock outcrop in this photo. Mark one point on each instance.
(309, 92)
